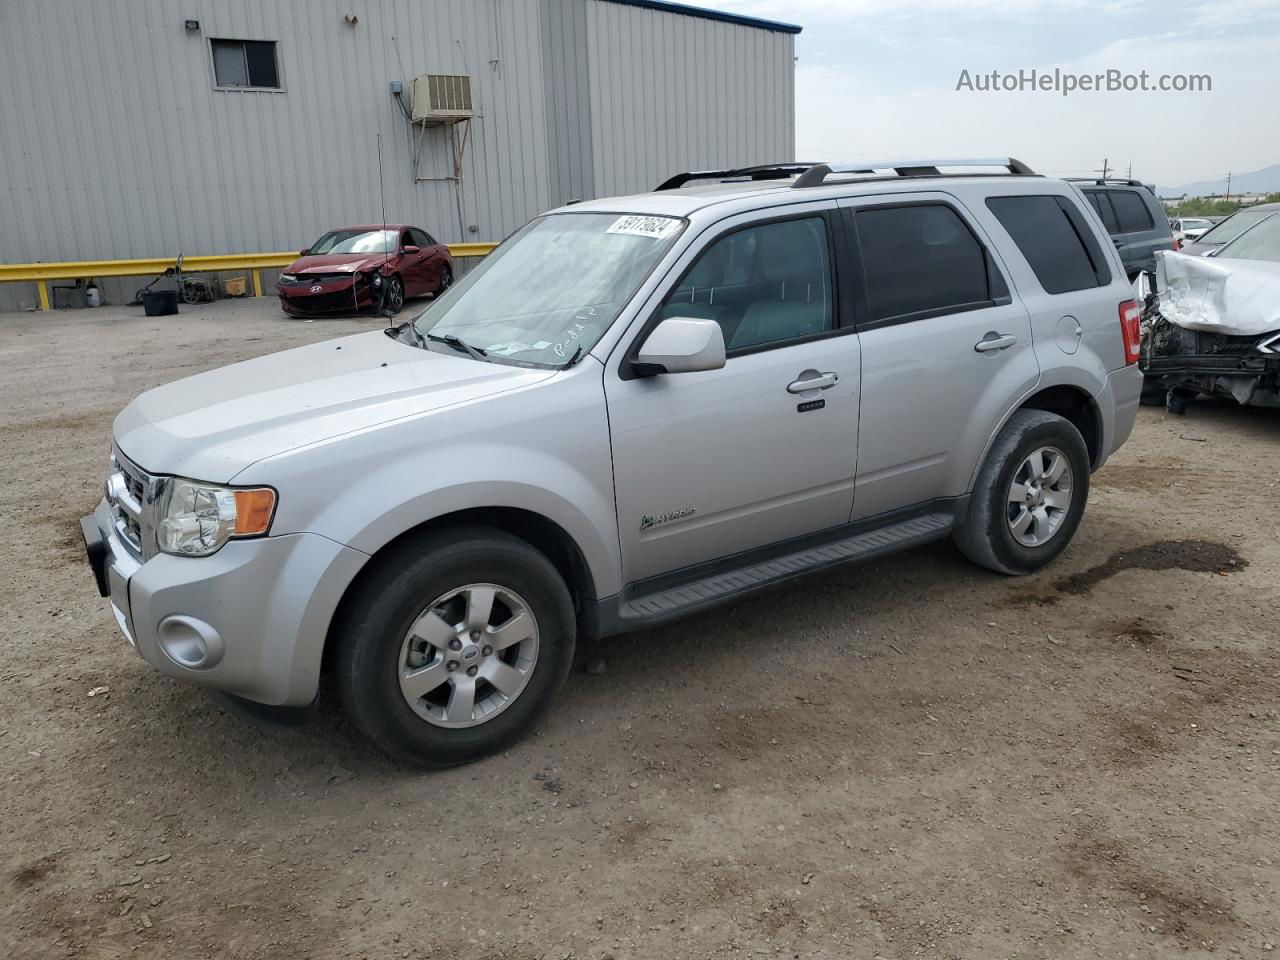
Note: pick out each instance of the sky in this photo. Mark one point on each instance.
(878, 80)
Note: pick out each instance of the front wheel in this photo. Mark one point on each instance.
(393, 295)
(1030, 495)
(455, 646)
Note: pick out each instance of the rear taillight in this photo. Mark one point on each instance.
(1131, 329)
(1177, 244)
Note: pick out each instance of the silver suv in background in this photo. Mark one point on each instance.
(635, 409)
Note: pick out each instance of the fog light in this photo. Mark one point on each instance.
(190, 643)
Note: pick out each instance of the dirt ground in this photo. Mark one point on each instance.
(915, 758)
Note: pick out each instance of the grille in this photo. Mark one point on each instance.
(310, 278)
(128, 491)
(449, 94)
(324, 302)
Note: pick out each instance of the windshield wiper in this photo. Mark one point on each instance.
(458, 343)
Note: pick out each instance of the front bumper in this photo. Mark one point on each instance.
(251, 620)
(1243, 368)
(333, 297)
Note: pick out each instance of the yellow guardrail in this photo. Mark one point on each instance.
(41, 273)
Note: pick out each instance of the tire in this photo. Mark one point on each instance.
(446, 279)
(393, 298)
(987, 535)
(375, 649)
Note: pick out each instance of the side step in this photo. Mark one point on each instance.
(717, 588)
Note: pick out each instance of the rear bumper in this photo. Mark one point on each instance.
(1121, 397)
(251, 620)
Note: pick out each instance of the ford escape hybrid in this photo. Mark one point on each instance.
(634, 409)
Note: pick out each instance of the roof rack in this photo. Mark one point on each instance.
(765, 171)
(818, 173)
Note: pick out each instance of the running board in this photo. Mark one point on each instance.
(726, 585)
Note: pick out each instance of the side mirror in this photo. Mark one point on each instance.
(681, 345)
(411, 249)
(304, 252)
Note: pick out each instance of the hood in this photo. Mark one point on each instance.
(1239, 298)
(215, 424)
(338, 263)
(1197, 249)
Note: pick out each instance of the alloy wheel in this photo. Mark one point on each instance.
(395, 294)
(468, 655)
(1039, 496)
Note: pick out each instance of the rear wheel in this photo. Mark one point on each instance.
(446, 279)
(455, 647)
(1030, 495)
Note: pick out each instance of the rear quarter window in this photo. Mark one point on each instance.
(1055, 240)
(1098, 200)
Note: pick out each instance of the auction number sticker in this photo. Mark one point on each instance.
(656, 228)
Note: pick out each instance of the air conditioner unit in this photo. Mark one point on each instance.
(441, 98)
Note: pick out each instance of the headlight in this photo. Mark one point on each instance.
(287, 278)
(196, 519)
(376, 279)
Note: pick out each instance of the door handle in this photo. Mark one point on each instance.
(821, 382)
(995, 341)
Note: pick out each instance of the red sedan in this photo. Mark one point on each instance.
(356, 268)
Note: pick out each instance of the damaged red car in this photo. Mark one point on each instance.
(351, 269)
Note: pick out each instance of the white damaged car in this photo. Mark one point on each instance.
(1215, 326)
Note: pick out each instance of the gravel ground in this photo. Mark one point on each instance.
(911, 758)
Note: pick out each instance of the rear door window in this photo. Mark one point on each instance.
(1131, 213)
(923, 260)
(1057, 243)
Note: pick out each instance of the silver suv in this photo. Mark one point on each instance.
(634, 409)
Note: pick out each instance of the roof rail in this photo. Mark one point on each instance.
(818, 173)
(764, 171)
(1102, 181)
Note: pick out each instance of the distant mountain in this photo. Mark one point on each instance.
(1260, 181)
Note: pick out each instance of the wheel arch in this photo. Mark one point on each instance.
(1077, 406)
(1071, 400)
(541, 532)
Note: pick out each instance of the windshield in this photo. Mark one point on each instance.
(1260, 243)
(356, 241)
(1234, 225)
(551, 290)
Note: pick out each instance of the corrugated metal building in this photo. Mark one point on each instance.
(145, 128)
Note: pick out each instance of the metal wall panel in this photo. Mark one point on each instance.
(672, 93)
(115, 144)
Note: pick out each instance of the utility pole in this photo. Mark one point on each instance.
(1105, 168)
(1228, 196)
(1129, 175)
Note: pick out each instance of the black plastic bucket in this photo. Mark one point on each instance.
(160, 303)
